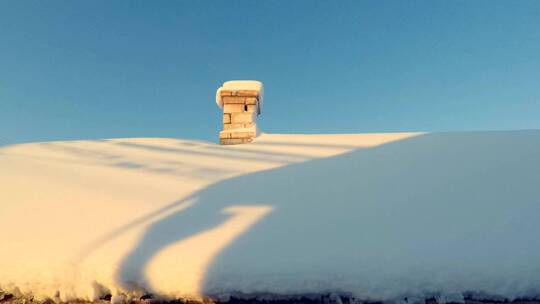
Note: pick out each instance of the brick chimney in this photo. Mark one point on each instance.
(241, 101)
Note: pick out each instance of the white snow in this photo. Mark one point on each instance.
(234, 85)
(376, 216)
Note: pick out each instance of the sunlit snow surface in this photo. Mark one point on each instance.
(377, 216)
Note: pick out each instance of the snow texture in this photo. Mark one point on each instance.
(374, 216)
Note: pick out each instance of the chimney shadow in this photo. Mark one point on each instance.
(406, 211)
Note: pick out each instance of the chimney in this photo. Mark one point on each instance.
(241, 101)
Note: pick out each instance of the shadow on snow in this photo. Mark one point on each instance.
(460, 205)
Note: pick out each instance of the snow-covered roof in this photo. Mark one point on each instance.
(236, 85)
(380, 217)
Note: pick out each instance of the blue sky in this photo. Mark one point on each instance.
(101, 69)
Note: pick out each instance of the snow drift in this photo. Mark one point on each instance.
(375, 216)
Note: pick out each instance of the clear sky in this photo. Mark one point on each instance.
(101, 69)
